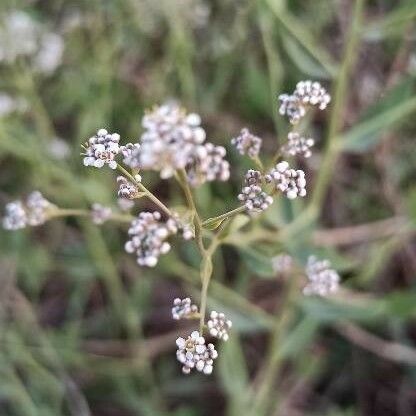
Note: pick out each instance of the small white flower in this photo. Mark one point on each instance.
(322, 279)
(312, 93)
(208, 164)
(15, 216)
(183, 309)
(127, 189)
(307, 93)
(100, 214)
(292, 107)
(289, 181)
(298, 145)
(282, 263)
(102, 149)
(59, 149)
(219, 326)
(148, 238)
(247, 143)
(34, 211)
(252, 195)
(193, 352)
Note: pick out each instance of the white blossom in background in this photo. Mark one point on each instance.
(100, 213)
(183, 309)
(298, 145)
(59, 149)
(18, 36)
(10, 105)
(34, 211)
(289, 181)
(15, 216)
(148, 236)
(282, 263)
(322, 280)
(219, 326)
(49, 55)
(194, 353)
(207, 165)
(22, 36)
(247, 143)
(127, 189)
(312, 93)
(102, 149)
(125, 204)
(128, 149)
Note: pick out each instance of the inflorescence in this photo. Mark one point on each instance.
(34, 211)
(322, 280)
(306, 94)
(194, 352)
(173, 143)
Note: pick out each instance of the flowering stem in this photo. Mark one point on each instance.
(183, 182)
(210, 221)
(139, 185)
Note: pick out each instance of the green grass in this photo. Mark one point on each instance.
(84, 331)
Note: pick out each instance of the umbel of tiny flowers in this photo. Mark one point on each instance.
(219, 326)
(298, 145)
(247, 143)
(102, 149)
(34, 211)
(183, 309)
(252, 195)
(193, 352)
(174, 140)
(307, 93)
(100, 213)
(289, 181)
(322, 279)
(126, 189)
(148, 236)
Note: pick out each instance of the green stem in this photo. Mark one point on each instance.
(149, 195)
(183, 182)
(332, 145)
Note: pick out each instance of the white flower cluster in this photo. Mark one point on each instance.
(34, 211)
(100, 213)
(289, 181)
(219, 326)
(298, 145)
(22, 36)
(307, 93)
(147, 237)
(193, 352)
(282, 263)
(207, 165)
(102, 149)
(247, 143)
(127, 189)
(183, 309)
(252, 195)
(322, 279)
(174, 140)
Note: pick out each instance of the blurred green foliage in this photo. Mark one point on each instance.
(84, 331)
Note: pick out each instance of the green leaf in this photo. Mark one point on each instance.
(257, 262)
(396, 106)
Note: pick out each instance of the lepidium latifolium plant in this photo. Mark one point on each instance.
(174, 143)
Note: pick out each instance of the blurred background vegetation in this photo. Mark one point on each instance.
(84, 331)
